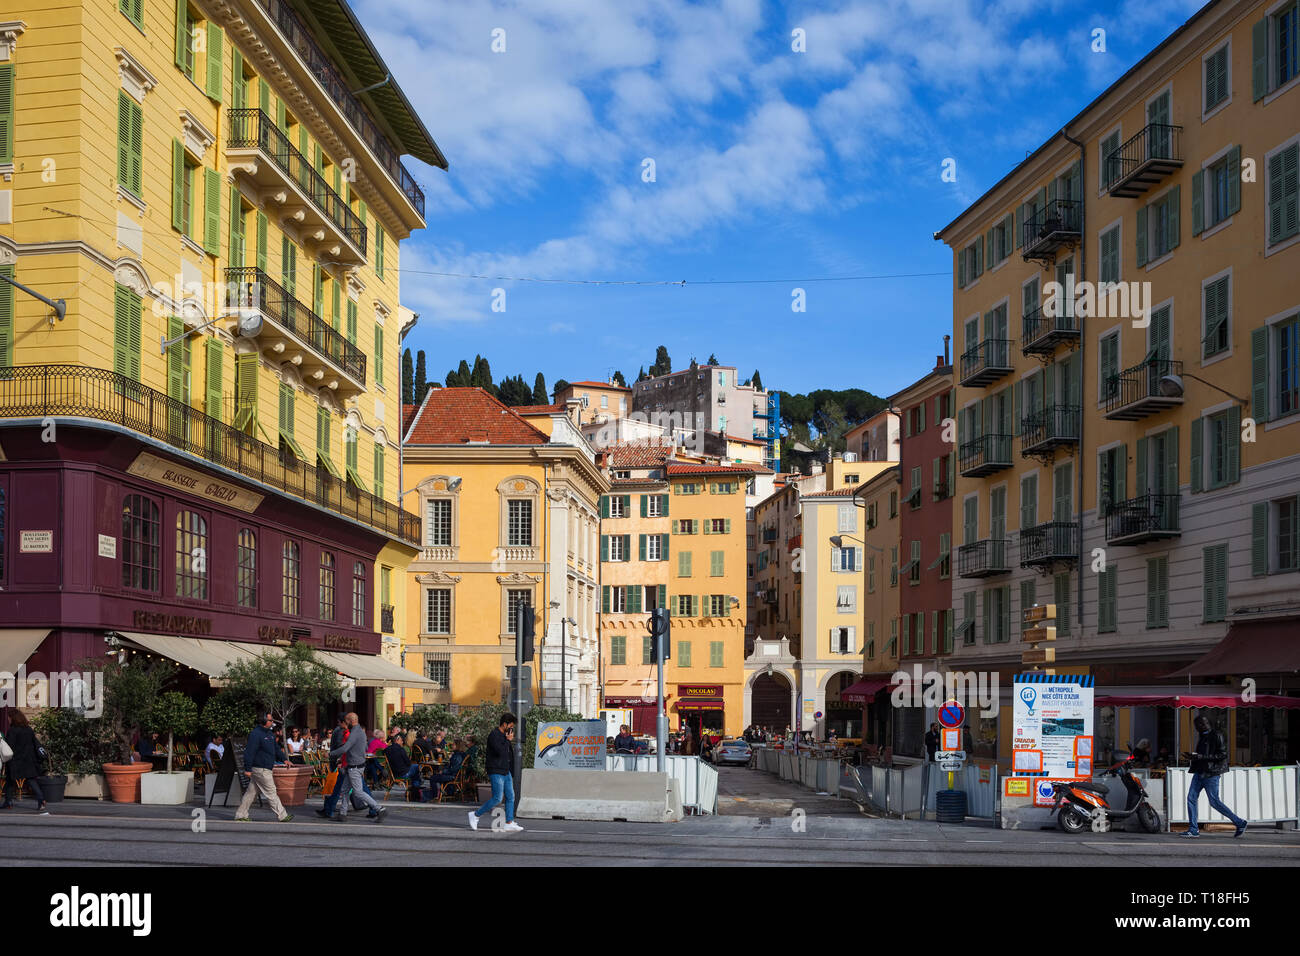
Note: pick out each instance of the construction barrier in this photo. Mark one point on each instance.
(979, 783)
(697, 781)
(1258, 794)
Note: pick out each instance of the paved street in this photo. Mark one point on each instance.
(754, 827)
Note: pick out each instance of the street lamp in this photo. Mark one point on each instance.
(564, 656)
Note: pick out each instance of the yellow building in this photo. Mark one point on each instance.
(198, 174)
(881, 499)
(510, 515)
(600, 401)
(1149, 424)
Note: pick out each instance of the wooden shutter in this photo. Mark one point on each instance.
(1283, 194)
(238, 91)
(604, 547)
(379, 250)
(246, 392)
(182, 33)
(175, 359)
(1174, 201)
(604, 608)
(1259, 538)
(212, 381)
(352, 321)
(212, 212)
(261, 241)
(1234, 179)
(1198, 202)
(1143, 478)
(216, 48)
(1140, 236)
(6, 318)
(1198, 434)
(123, 129)
(1234, 445)
(1259, 59)
(379, 354)
(1170, 464)
(7, 116)
(235, 256)
(961, 268)
(1259, 397)
(264, 99)
(379, 471)
(178, 185)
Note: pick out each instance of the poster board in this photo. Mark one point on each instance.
(1053, 715)
(571, 745)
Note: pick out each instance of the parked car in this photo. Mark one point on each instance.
(644, 745)
(731, 751)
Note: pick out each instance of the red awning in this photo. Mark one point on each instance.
(1197, 701)
(1251, 648)
(865, 690)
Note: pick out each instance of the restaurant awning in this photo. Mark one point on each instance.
(699, 705)
(1251, 648)
(17, 644)
(371, 670)
(1198, 701)
(865, 690)
(208, 657)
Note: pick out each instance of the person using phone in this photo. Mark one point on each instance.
(500, 769)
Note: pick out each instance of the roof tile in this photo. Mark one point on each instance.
(459, 416)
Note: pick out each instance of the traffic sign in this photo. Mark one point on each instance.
(950, 765)
(941, 755)
(1033, 635)
(951, 714)
(1039, 655)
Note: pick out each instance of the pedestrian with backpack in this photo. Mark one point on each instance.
(1208, 762)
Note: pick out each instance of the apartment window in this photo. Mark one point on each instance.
(842, 640)
(290, 581)
(246, 568)
(437, 611)
(191, 556)
(130, 144)
(616, 600)
(1157, 227)
(718, 526)
(1108, 379)
(1276, 375)
(683, 564)
(997, 615)
(846, 599)
(519, 522)
(515, 599)
(970, 263)
(656, 506)
(187, 196)
(715, 653)
(719, 606)
(141, 544)
(604, 401)
(1221, 435)
(687, 605)
(1216, 192)
(893, 504)
(1216, 78)
(1275, 50)
(1282, 181)
(618, 649)
(1214, 583)
(944, 561)
(358, 594)
(893, 566)
(1158, 592)
(871, 574)
(1029, 501)
(617, 506)
(1107, 600)
(846, 559)
(914, 564)
(967, 626)
(683, 653)
(438, 670)
(1061, 594)
(716, 564)
(127, 318)
(617, 547)
(1112, 466)
(1109, 267)
(437, 523)
(1108, 166)
(654, 547)
(326, 586)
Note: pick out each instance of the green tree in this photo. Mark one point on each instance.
(560, 385)
(540, 395)
(713, 360)
(76, 744)
(282, 681)
(421, 378)
(542, 715)
(619, 379)
(131, 690)
(663, 364)
(228, 714)
(174, 713)
(408, 378)
(757, 381)
(642, 375)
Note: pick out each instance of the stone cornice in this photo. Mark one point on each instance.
(10, 31)
(136, 79)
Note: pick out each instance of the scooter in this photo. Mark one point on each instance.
(1081, 804)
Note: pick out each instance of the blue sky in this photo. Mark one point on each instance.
(769, 164)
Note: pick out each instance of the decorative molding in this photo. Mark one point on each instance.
(558, 495)
(355, 285)
(196, 137)
(7, 171)
(192, 246)
(136, 79)
(382, 311)
(438, 577)
(130, 273)
(246, 166)
(440, 485)
(518, 577)
(290, 375)
(10, 31)
(140, 205)
(8, 251)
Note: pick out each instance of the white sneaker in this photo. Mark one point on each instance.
(473, 820)
(513, 828)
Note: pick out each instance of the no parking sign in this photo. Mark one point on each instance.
(951, 715)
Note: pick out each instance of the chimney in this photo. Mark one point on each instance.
(946, 359)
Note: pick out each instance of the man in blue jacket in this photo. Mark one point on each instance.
(261, 755)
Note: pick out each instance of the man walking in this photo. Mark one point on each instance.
(500, 768)
(1209, 762)
(339, 735)
(353, 750)
(260, 756)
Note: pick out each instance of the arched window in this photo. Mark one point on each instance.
(191, 556)
(141, 543)
(358, 594)
(246, 568)
(290, 565)
(326, 586)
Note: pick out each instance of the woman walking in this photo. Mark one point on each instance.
(24, 763)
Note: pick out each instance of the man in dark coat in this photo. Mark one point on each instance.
(1209, 762)
(26, 761)
(500, 769)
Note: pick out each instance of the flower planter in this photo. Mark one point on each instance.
(124, 780)
(86, 785)
(291, 784)
(166, 789)
(52, 787)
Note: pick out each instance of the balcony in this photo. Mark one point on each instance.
(1050, 543)
(1048, 428)
(983, 559)
(986, 362)
(260, 149)
(386, 618)
(1040, 334)
(1142, 519)
(1136, 393)
(514, 552)
(985, 455)
(293, 332)
(769, 535)
(1148, 157)
(1059, 223)
(75, 391)
(339, 90)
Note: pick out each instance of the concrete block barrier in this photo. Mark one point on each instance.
(596, 795)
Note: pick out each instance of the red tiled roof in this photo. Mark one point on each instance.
(408, 412)
(617, 388)
(648, 454)
(835, 493)
(678, 470)
(538, 409)
(458, 416)
(745, 441)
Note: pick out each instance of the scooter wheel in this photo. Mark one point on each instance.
(1148, 818)
(1072, 820)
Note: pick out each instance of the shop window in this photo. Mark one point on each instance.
(326, 586)
(290, 576)
(246, 568)
(191, 556)
(141, 543)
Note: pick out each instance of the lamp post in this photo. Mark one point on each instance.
(837, 541)
(564, 656)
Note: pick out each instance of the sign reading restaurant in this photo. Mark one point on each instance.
(193, 482)
(172, 623)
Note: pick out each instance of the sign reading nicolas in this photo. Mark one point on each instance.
(711, 692)
(193, 482)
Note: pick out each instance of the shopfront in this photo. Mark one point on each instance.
(702, 709)
(643, 712)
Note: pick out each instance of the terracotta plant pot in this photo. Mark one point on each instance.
(291, 784)
(124, 780)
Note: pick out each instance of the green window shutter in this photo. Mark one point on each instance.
(604, 506)
(634, 599)
(706, 610)
(1175, 203)
(1170, 464)
(1198, 202)
(715, 653)
(716, 559)
(644, 505)
(350, 448)
(1061, 598)
(604, 547)
(336, 288)
(133, 317)
(618, 649)
(379, 250)
(216, 48)
(379, 354)
(1157, 609)
(1198, 435)
(352, 321)
(663, 506)
(988, 618)
(683, 564)
(1234, 446)
(1008, 227)
(6, 318)
(640, 547)
(1259, 374)
(662, 596)
(235, 256)
(246, 392)
(182, 32)
(123, 130)
(379, 471)
(663, 547)
(264, 97)
(627, 505)
(1234, 180)
(7, 117)
(604, 599)
(1141, 236)
(979, 256)
(961, 268)
(238, 92)
(1143, 479)
(178, 185)
(212, 383)
(261, 241)
(282, 122)
(1259, 59)
(212, 212)
(1283, 194)
(1259, 538)
(175, 359)
(627, 547)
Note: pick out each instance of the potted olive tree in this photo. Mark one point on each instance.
(173, 713)
(281, 682)
(78, 747)
(131, 690)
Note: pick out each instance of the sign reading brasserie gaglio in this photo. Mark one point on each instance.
(193, 482)
(342, 642)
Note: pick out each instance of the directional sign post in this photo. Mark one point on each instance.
(951, 716)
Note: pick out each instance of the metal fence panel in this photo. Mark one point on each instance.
(697, 781)
(1260, 794)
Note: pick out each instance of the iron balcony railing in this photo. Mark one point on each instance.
(1059, 221)
(386, 618)
(981, 559)
(1140, 384)
(1050, 542)
(358, 118)
(40, 391)
(254, 289)
(1050, 426)
(986, 362)
(1142, 519)
(1040, 332)
(1146, 158)
(769, 535)
(985, 454)
(251, 128)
